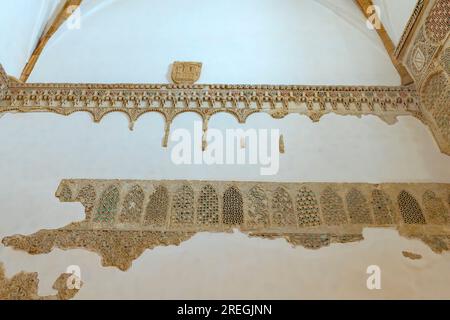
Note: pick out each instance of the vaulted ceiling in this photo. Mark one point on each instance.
(251, 41)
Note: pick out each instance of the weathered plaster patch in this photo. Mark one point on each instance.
(411, 255)
(25, 285)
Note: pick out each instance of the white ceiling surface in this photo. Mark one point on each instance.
(21, 24)
(250, 41)
(395, 15)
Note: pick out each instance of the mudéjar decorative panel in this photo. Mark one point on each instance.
(161, 213)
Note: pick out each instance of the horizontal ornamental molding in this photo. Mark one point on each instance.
(206, 100)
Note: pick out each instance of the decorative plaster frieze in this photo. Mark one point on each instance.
(241, 101)
(126, 217)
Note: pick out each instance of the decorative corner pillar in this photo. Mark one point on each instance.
(427, 57)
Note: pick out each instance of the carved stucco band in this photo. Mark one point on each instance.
(126, 217)
(410, 28)
(3, 82)
(206, 100)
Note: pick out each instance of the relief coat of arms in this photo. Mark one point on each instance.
(186, 72)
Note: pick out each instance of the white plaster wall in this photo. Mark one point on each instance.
(38, 150)
(42, 149)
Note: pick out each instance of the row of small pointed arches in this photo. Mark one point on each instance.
(281, 211)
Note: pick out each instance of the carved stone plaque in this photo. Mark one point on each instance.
(186, 72)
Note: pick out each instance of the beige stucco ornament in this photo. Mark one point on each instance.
(186, 72)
